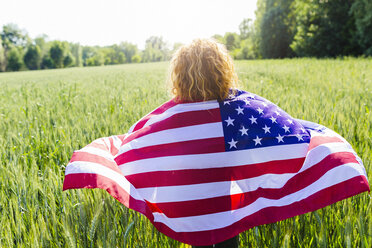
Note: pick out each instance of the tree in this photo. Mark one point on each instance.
(57, 53)
(232, 41)
(129, 50)
(324, 29)
(47, 62)
(32, 58)
(14, 59)
(274, 22)
(12, 35)
(68, 60)
(246, 29)
(136, 58)
(361, 10)
(2, 57)
(77, 53)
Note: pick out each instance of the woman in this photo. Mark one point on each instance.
(202, 71)
(215, 161)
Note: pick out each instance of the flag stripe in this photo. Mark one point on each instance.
(319, 140)
(215, 160)
(88, 157)
(178, 120)
(236, 201)
(195, 176)
(216, 189)
(156, 111)
(210, 145)
(197, 132)
(271, 214)
(180, 108)
(223, 219)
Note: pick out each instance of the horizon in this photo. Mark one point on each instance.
(101, 22)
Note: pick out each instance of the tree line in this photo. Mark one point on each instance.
(19, 52)
(304, 28)
(282, 28)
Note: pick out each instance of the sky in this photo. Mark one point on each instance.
(107, 22)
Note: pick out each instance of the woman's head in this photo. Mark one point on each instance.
(202, 70)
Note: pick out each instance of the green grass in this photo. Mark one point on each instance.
(46, 115)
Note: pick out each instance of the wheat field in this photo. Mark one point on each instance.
(46, 115)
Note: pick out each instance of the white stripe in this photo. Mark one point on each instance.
(195, 132)
(216, 160)
(181, 108)
(224, 219)
(94, 168)
(116, 141)
(97, 152)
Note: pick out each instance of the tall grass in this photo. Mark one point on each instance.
(45, 115)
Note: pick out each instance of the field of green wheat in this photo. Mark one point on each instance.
(46, 115)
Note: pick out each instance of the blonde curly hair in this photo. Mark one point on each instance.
(201, 71)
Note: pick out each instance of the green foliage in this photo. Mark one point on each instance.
(68, 60)
(12, 35)
(32, 58)
(136, 58)
(361, 10)
(156, 50)
(2, 57)
(47, 62)
(14, 59)
(57, 53)
(275, 27)
(46, 115)
(324, 29)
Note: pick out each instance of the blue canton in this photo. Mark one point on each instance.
(250, 121)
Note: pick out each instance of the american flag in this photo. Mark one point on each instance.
(202, 172)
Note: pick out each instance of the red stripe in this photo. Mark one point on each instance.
(114, 150)
(86, 180)
(194, 176)
(178, 120)
(320, 140)
(233, 202)
(201, 146)
(268, 215)
(157, 111)
(88, 157)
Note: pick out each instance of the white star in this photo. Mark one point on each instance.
(230, 121)
(247, 102)
(299, 137)
(290, 121)
(253, 120)
(231, 96)
(240, 110)
(267, 129)
(260, 111)
(226, 102)
(257, 141)
(280, 138)
(232, 143)
(264, 104)
(303, 129)
(244, 131)
(273, 119)
(277, 113)
(286, 128)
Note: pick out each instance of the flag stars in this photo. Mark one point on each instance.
(303, 129)
(232, 143)
(299, 137)
(259, 110)
(264, 104)
(247, 102)
(273, 119)
(290, 121)
(226, 102)
(243, 130)
(266, 129)
(230, 121)
(240, 110)
(277, 113)
(257, 141)
(253, 120)
(286, 129)
(280, 138)
(250, 95)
